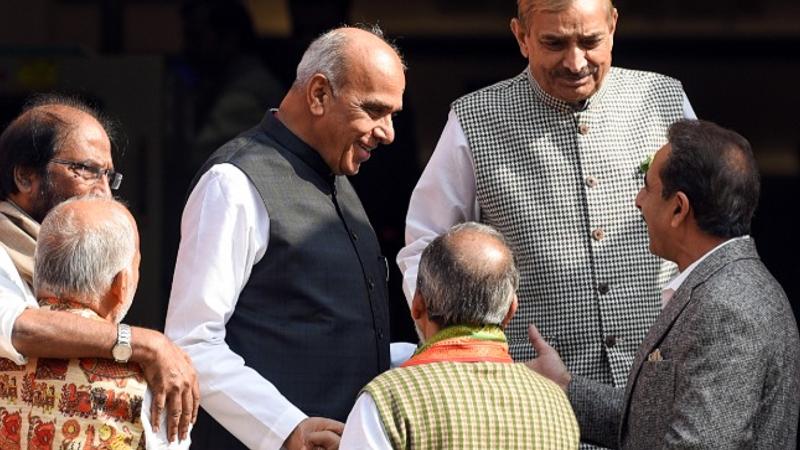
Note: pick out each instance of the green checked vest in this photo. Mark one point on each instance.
(560, 184)
(476, 405)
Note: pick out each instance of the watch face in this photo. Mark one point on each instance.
(122, 352)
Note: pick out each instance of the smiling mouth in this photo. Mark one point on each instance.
(365, 150)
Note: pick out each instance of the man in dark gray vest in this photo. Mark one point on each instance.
(279, 294)
(550, 159)
(719, 367)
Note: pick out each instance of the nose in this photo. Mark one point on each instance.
(575, 59)
(101, 187)
(638, 199)
(384, 132)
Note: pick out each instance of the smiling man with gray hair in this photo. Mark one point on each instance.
(279, 294)
(86, 263)
(461, 390)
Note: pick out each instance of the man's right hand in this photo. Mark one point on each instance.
(315, 433)
(548, 363)
(171, 379)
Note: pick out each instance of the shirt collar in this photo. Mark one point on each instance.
(676, 282)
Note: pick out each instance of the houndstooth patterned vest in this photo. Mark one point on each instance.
(560, 185)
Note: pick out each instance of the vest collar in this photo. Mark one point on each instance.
(278, 131)
(561, 105)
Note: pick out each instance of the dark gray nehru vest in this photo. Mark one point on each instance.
(313, 318)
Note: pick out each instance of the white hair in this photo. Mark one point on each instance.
(76, 257)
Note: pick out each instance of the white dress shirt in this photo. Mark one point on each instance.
(364, 429)
(445, 195)
(224, 233)
(15, 296)
(677, 281)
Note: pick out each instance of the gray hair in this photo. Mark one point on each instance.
(460, 288)
(76, 257)
(527, 7)
(327, 56)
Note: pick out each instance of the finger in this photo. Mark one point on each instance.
(325, 439)
(335, 426)
(187, 409)
(195, 393)
(174, 408)
(157, 408)
(537, 341)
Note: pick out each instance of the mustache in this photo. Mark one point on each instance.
(586, 71)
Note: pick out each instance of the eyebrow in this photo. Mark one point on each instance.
(378, 106)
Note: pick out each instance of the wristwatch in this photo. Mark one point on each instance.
(122, 350)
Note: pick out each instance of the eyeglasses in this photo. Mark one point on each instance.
(92, 173)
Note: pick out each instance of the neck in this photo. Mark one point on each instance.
(44, 297)
(22, 203)
(294, 117)
(694, 249)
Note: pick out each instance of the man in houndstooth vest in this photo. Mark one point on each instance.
(551, 159)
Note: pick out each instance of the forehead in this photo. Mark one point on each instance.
(654, 172)
(582, 17)
(86, 140)
(377, 75)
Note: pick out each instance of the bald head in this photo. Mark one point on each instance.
(43, 127)
(337, 53)
(84, 243)
(468, 276)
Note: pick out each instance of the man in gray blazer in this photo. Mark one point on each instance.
(720, 368)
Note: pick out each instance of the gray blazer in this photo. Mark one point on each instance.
(720, 367)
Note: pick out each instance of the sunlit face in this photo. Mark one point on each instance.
(359, 116)
(656, 210)
(86, 143)
(569, 52)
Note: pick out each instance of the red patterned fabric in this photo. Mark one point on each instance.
(90, 403)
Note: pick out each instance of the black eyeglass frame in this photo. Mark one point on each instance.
(114, 178)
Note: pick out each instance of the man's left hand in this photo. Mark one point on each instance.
(548, 363)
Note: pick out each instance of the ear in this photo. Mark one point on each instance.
(318, 94)
(681, 210)
(512, 309)
(26, 179)
(118, 292)
(418, 307)
(520, 34)
(612, 25)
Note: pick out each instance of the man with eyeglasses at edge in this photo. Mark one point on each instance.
(59, 148)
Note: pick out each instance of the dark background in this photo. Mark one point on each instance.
(737, 60)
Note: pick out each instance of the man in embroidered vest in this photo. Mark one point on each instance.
(550, 159)
(461, 389)
(719, 368)
(86, 264)
(279, 294)
(57, 148)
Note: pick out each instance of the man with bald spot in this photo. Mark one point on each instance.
(279, 294)
(56, 149)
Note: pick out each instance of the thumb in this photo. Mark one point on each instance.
(537, 341)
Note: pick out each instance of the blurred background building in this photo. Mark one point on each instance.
(182, 77)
